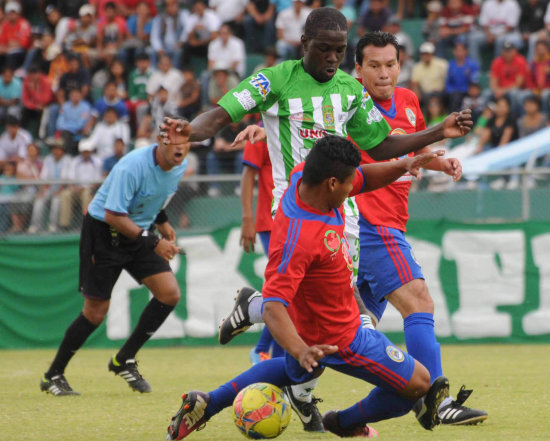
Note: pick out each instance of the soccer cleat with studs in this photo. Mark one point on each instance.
(56, 385)
(238, 321)
(307, 412)
(129, 372)
(455, 414)
(190, 416)
(331, 423)
(426, 408)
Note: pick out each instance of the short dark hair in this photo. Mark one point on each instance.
(110, 5)
(327, 19)
(12, 120)
(376, 39)
(534, 99)
(331, 156)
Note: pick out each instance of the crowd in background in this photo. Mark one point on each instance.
(82, 83)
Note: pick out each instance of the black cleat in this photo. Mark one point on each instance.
(130, 373)
(238, 320)
(331, 423)
(455, 414)
(307, 412)
(190, 416)
(426, 408)
(57, 385)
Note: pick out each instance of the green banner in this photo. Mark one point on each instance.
(489, 282)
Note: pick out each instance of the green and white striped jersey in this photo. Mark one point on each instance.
(296, 110)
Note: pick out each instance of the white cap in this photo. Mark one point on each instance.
(85, 145)
(221, 65)
(427, 48)
(12, 7)
(85, 10)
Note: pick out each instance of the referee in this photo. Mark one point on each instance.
(117, 233)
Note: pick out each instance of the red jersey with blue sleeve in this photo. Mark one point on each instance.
(388, 206)
(257, 156)
(310, 268)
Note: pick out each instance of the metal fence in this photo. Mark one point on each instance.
(203, 203)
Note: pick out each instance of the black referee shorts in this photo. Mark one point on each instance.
(103, 257)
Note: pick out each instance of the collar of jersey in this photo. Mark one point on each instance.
(294, 208)
(389, 113)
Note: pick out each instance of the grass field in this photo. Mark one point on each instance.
(511, 382)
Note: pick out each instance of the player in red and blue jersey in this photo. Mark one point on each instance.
(387, 269)
(309, 305)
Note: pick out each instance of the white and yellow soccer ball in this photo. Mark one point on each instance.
(261, 411)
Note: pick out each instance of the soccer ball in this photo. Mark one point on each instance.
(261, 411)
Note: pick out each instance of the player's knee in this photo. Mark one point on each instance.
(169, 295)
(419, 384)
(96, 313)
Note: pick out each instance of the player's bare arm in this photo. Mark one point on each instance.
(204, 126)
(449, 166)
(167, 231)
(279, 323)
(252, 133)
(381, 174)
(457, 124)
(248, 230)
(125, 226)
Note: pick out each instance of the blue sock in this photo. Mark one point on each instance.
(276, 350)
(264, 341)
(269, 371)
(380, 404)
(421, 342)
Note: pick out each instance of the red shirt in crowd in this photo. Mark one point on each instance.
(20, 32)
(507, 73)
(463, 18)
(38, 93)
(539, 75)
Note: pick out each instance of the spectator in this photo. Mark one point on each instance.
(461, 73)
(393, 26)
(500, 129)
(82, 38)
(499, 21)
(229, 50)
(430, 27)
(129, 7)
(137, 103)
(531, 23)
(59, 66)
(231, 12)
(223, 156)
(270, 59)
(436, 111)
(168, 33)
(375, 17)
(110, 98)
(290, 26)
(166, 75)
(119, 149)
(27, 169)
(37, 94)
(7, 192)
(533, 119)
(10, 95)
(115, 71)
(86, 169)
(190, 103)
(14, 141)
(15, 36)
(73, 120)
(221, 81)
(56, 166)
(109, 129)
(474, 101)
(111, 31)
(200, 28)
(42, 52)
(76, 77)
(406, 68)
(457, 20)
(139, 26)
(58, 25)
(538, 76)
(428, 76)
(508, 75)
(259, 25)
(161, 106)
(67, 8)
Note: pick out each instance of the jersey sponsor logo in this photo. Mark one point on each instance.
(301, 116)
(395, 354)
(332, 241)
(328, 116)
(366, 98)
(312, 133)
(261, 84)
(374, 116)
(245, 99)
(411, 116)
(398, 131)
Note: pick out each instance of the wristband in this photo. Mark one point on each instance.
(148, 239)
(161, 217)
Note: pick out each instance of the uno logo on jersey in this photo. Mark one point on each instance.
(411, 116)
(398, 131)
(395, 354)
(328, 116)
(261, 84)
(332, 241)
(312, 133)
(245, 99)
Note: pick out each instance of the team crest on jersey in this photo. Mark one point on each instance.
(328, 116)
(398, 131)
(245, 99)
(395, 354)
(411, 116)
(261, 84)
(332, 241)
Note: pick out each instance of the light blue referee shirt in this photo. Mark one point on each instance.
(137, 187)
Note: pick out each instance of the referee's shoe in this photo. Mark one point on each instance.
(129, 371)
(238, 320)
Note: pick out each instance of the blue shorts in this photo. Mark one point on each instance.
(371, 357)
(386, 262)
(264, 238)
